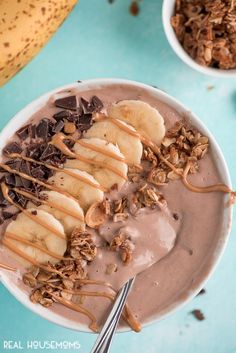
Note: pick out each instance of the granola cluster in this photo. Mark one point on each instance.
(180, 145)
(65, 276)
(122, 244)
(207, 31)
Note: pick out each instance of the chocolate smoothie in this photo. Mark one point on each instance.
(161, 221)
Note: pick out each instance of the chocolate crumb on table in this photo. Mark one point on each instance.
(198, 315)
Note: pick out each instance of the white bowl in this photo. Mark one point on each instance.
(168, 8)
(22, 117)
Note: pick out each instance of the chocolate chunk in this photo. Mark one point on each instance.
(34, 151)
(12, 147)
(3, 201)
(85, 119)
(18, 181)
(10, 179)
(43, 128)
(14, 164)
(51, 125)
(58, 126)
(32, 131)
(198, 314)
(1, 220)
(74, 117)
(69, 103)
(23, 133)
(63, 114)
(6, 214)
(22, 200)
(96, 103)
(34, 213)
(48, 152)
(85, 105)
(25, 168)
(85, 122)
(37, 172)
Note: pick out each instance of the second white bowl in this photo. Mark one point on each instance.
(167, 12)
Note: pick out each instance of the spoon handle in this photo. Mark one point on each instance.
(104, 340)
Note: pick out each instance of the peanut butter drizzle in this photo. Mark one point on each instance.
(36, 181)
(28, 258)
(57, 141)
(93, 325)
(101, 150)
(7, 267)
(85, 293)
(126, 315)
(203, 189)
(49, 203)
(34, 245)
(34, 218)
(200, 189)
(63, 170)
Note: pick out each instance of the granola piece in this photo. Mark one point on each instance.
(135, 173)
(122, 244)
(157, 176)
(97, 214)
(120, 217)
(29, 280)
(150, 156)
(120, 205)
(148, 196)
(82, 245)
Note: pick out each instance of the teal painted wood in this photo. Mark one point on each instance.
(102, 40)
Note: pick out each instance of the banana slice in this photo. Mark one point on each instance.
(144, 118)
(66, 210)
(100, 151)
(130, 146)
(32, 232)
(87, 191)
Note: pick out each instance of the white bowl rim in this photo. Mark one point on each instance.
(167, 11)
(17, 121)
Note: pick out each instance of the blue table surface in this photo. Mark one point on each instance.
(103, 40)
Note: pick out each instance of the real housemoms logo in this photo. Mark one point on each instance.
(39, 345)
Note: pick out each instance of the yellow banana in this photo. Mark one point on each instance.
(25, 27)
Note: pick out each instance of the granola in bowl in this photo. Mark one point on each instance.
(207, 31)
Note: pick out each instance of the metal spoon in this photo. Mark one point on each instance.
(104, 340)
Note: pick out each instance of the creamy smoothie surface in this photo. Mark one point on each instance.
(103, 185)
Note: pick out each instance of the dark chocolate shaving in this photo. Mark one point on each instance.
(96, 103)
(32, 131)
(85, 122)
(38, 172)
(12, 147)
(58, 126)
(23, 133)
(10, 179)
(63, 114)
(6, 215)
(25, 168)
(42, 129)
(69, 103)
(198, 315)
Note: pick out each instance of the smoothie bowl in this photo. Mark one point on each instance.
(101, 181)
